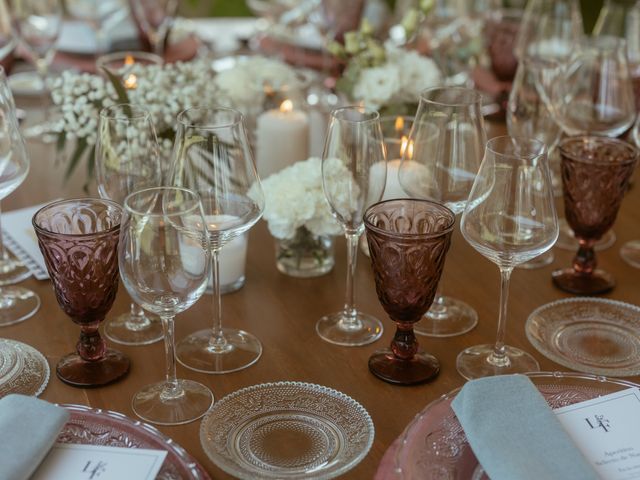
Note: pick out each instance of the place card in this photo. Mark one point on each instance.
(605, 430)
(97, 462)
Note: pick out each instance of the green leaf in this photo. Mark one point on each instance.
(123, 97)
(61, 141)
(77, 154)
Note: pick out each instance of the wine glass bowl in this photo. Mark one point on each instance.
(595, 177)
(408, 241)
(79, 240)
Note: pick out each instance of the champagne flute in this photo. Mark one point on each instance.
(212, 157)
(354, 174)
(156, 18)
(510, 218)
(127, 160)
(164, 264)
(443, 169)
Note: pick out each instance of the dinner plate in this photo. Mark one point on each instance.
(434, 446)
(286, 430)
(592, 335)
(23, 369)
(92, 426)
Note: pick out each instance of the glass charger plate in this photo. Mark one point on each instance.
(591, 335)
(434, 446)
(92, 426)
(286, 430)
(23, 369)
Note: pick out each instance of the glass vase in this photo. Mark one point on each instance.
(305, 255)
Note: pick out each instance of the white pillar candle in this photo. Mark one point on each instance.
(317, 132)
(392, 188)
(282, 139)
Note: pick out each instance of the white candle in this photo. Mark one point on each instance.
(317, 132)
(282, 139)
(392, 188)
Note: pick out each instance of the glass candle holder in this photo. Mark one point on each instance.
(123, 63)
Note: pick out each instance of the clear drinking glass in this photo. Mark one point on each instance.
(100, 14)
(156, 18)
(510, 218)
(448, 138)
(127, 160)
(164, 265)
(354, 174)
(212, 157)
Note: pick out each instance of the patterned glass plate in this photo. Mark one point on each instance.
(434, 446)
(286, 430)
(92, 426)
(591, 335)
(23, 369)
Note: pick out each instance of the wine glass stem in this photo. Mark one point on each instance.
(499, 356)
(350, 311)
(3, 252)
(217, 342)
(171, 389)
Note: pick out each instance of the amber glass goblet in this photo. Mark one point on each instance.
(79, 241)
(408, 240)
(595, 177)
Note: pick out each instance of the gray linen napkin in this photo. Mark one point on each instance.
(514, 434)
(29, 428)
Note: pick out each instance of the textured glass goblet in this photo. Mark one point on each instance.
(408, 241)
(79, 241)
(595, 177)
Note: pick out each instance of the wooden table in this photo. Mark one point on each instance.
(281, 311)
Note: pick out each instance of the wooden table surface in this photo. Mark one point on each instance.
(281, 311)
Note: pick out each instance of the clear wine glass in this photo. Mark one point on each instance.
(212, 156)
(443, 169)
(38, 24)
(127, 160)
(510, 218)
(8, 38)
(354, 174)
(100, 15)
(164, 265)
(16, 303)
(156, 18)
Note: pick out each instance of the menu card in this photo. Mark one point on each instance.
(607, 432)
(97, 462)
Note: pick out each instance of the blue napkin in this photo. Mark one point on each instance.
(514, 434)
(29, 428)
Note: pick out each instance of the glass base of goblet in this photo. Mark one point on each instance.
(597, 282)
(77, 372)
(12, 271)
(339, 329)
(128, 329)
(199, 352)
(159, 404)
(480, 361)
(447, 317)
(567, 240)
(538, 262)
(421, 368)
(17, 304)
(630, 253)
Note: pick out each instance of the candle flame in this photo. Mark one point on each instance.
(131, 82)
(128, 60)
(399, 124)
(286, 106)
(406, 145)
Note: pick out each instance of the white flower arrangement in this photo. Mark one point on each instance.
(294, 198)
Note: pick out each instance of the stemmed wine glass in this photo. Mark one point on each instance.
(99, 14)
(354, 174)
(212, 157)
(127, 160)
(164, 265)
(510, 218)
(156, 18)
(443, 169)
(8, 38)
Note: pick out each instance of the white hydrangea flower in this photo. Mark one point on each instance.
(376, 86)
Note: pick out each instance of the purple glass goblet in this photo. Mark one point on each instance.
(408, 241)
(595, 177)
(79, 241)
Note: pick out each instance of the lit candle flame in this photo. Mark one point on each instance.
(128, 60)
(404, 143)
(131, 82)
(286, 106)
(399, 124)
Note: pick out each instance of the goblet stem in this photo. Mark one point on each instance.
(218, 343)
(499, 356)
(585, 260)
(350, 312)
(404, 344)
(172, 388)
(91, 346)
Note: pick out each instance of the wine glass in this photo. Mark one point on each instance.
(38, 24)
(354, 174)
(127, 160)
(443, 169)
(510, 218)
(8, 38)
(595, 177)
(100, 15)
(156, 18)
(79, 242)
(164, 265)
(212, 157)
(408, 240)
(16, 303)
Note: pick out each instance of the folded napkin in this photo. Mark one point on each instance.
(29, 429)
(515, 434)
